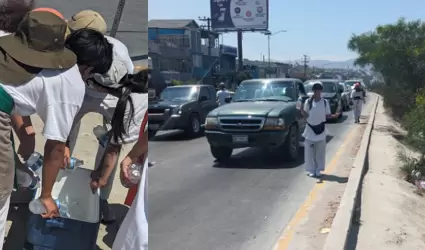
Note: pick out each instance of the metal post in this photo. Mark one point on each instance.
(117, 18)
(240, 56)
(268, 38)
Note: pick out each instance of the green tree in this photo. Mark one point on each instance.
(397, 52)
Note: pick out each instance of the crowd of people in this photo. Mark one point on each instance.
(61, 69)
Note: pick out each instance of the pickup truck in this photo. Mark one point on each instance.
(263, 113)
(181, 108)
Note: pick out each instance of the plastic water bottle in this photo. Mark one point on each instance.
(36, 207)
(75, 163)
(134, 174)
(65, 207)
(35, 163)
(101, 135)
(25, 180)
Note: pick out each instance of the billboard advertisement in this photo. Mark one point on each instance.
(231, 15)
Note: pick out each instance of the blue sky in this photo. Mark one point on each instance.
(318, 28)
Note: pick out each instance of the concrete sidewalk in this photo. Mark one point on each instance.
(392, 216)
(85, 149)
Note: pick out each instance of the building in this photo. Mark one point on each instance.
(262, 69)
(182, 50)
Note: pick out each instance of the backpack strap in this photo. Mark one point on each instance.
(310, 103)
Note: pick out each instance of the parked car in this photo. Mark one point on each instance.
(261, 114)
(345, 96)
(331, 91)
(181, 107)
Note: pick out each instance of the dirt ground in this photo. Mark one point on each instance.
(392, 214)
(86, 150)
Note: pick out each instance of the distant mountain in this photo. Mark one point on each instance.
(333, 64)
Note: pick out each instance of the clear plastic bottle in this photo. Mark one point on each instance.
(25, 180)
(134, 174)
(35, 163)
(101, 135)
(66, 207)
(36, 207)
(75, 163)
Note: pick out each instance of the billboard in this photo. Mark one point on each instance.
(231, 15)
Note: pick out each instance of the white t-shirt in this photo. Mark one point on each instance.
(222, 95)
(357, 94)
(55, 95)
(316, 115)
(121, 51)
(105, 105)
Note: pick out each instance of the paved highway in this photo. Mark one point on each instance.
(195, 203)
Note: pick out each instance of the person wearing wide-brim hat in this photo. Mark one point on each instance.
(38, 75)
(316, 111)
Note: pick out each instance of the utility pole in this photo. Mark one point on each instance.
(208, 21)
(306, 60)
(117, 18)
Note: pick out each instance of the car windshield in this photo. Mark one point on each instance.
(328, 87)
(189, 93)
(264, 91)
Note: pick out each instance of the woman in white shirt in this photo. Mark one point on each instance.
(357, 95)
(316, 111)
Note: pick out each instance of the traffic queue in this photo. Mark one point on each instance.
(275, 114)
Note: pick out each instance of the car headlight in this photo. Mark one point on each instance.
(211, 123)
(176, 111)
(274, 123)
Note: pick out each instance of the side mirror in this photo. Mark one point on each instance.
(203, 99)
(341, 91)
(228, 99)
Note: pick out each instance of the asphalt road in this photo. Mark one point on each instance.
(195, 203)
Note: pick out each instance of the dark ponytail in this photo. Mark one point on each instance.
(131, 83)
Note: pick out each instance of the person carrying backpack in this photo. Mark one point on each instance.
(316, 111)
(357, 95)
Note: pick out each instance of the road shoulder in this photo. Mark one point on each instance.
(391, 214)
(310, 226)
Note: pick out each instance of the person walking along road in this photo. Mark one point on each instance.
(357, 95)
(222, 94)
(316, 111)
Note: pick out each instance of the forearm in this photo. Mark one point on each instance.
(22, 125)
(140, 148)
(109, 160)
(53, 159)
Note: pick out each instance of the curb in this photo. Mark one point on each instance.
(342, 223)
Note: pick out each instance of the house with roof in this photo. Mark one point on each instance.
(183, 50)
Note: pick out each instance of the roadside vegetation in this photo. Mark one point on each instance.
(396, 53)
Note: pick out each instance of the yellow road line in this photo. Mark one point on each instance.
(288, 234)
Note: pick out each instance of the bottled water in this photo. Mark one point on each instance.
(75, 163)
(36, 207)
(35, 163)
(66, 207)
(25, 180)
(134, 174)
(101, 135)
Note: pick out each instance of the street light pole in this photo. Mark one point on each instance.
(268, 40)
(269, 34)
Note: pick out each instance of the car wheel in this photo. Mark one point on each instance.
(291, 145)
(221, 153)
(194, 127)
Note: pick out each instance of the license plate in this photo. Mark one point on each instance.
(153, 126)
(240, 139)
